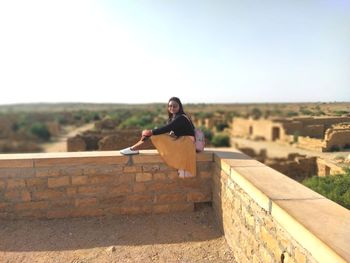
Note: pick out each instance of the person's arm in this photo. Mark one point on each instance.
(167, 128)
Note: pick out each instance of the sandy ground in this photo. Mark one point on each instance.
(181, 237)
(59, 144)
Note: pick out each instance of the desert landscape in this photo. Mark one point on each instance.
(298, 140)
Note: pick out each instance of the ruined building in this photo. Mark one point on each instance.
(314, 133)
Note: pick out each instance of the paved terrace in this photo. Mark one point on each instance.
(263, 215)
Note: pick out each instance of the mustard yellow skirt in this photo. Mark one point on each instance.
(179, 153)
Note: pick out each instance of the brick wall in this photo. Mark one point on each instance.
(79, 184)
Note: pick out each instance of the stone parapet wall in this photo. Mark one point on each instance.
(310, 143)
(94, 184)
(264, 215)
(327, 168)
(268, 217)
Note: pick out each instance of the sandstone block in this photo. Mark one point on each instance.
(205, 174)
(171, 198)
(4, 206)
(32, 205)
(102, 179)
(2, 184)
(265, 255)
(85, 202)
(299, 257)
(143, 177)
(185, 207)
(58, 182)
(47, 172)
(16, 163)
(147, 159)
(139, 187)
(160, 176)
(13, 195)
(132, 169)
(79, 180)
(15, 183)
(48, 195)
(150, 168)
(125, 178)
(198, 197)
(112, 199)
(92, 190)
(271, 243)
(140, 198)
(163, 187)
(120, 189)
(36, 182)
(26, 197)
(71, 191)
(61, 203)
(173, 175)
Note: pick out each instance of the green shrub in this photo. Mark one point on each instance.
(334, 187)
(143, 122)
(221, 126)
(203, 115)
(305, 111)
(256, 113)
(221, 140)
(207, 133)
(335, 148)
(341, 112)
(41, 131)
(292, 114)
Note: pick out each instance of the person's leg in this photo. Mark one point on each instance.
(133, 149)
(139, 143)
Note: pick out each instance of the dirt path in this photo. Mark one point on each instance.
(182, 237)
(59, 144)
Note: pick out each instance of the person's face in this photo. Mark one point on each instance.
(173, 107)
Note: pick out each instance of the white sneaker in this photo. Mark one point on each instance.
(128, 151)
(184, 174)
(181, 173)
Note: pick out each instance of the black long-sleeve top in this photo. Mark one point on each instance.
(180, 125)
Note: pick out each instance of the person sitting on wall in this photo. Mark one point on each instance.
(174, 141)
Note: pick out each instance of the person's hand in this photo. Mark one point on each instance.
(147, 133)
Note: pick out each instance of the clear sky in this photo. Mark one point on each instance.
(199, 50)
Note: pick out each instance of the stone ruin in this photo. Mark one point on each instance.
(295, 165)
(106, 137)
(209, 123)
(313, 133)
(106, 141)
(337, 137)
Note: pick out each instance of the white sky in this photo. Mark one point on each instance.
(201, 51)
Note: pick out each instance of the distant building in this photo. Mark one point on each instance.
(315, 133)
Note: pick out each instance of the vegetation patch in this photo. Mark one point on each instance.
(334, 187)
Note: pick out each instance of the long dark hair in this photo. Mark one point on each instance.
(181, 109)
